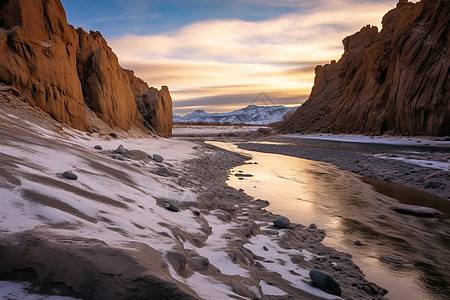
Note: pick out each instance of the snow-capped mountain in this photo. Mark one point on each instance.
(251, 114)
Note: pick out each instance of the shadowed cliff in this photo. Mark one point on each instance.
(395, 81)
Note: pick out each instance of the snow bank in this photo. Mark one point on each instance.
(354, 138)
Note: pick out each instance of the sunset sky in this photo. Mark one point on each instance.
(218, 55)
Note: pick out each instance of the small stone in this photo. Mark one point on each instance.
(357, 243)
(325, 282)
(265, 248)
(98, 147)
(272, 232)
(158, 157)
(172, 206)
(394, 260)
(120, 150)
(243, 175)
(163, 233)
(114, 135)
(164, 171)
(415, 210)
(335, 256)
(282, 222)
(196, 213)
(436, 219)
(312, 226)
(195, 148)
(69, 175)
(337, 268)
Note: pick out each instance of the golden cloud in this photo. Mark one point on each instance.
(232, 57)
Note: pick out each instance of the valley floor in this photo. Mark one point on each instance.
(130, 226)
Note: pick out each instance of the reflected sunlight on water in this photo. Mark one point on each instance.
(350, 209)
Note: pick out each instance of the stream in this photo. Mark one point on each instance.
(350, 207)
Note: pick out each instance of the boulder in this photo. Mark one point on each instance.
(135, 154)
(282, 222)
(325, 282)
(394, 81)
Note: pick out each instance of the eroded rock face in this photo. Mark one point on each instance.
(156, 108)
(394, 81)
(105, 84)
(38, 52)
(61, 69)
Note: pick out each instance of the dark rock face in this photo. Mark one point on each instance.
(395, 81)
(156, 107)
(61, 69)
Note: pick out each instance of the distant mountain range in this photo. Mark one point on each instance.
(252, 114)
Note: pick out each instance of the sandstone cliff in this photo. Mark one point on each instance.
(395, 81)
(61, 69)
(156, 107)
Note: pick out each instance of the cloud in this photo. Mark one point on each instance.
(238, 57)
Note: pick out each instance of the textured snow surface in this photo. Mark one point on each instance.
(279, 260)
(371, 140)
(18, 290)
(113, 201)
(199, 130)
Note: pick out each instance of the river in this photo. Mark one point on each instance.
(350, 207)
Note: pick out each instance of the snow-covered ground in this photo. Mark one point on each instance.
(20, 290)
(434, 161)
(116, 201)
(199, 130)
(355, 138)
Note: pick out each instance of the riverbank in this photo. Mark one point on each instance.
(75, 203)
(419, 166)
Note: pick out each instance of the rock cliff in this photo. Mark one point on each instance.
(156, 107)
(61, 69)
(395, 81)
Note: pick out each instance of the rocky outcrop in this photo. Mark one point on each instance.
(88, 268)
(105, 84)
(138, 86)
(156, 107)
(38, 53)
(395, 81)
(61, 69)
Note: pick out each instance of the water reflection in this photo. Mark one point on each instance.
(350, 209)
